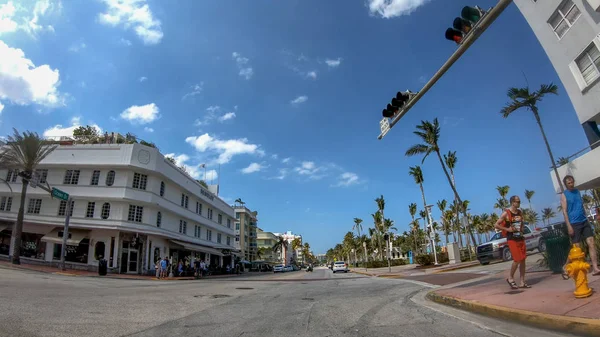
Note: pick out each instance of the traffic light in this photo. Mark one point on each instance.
(386, 237)
(470, 16)
(397, 103)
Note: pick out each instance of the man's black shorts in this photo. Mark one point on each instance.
(582, 231)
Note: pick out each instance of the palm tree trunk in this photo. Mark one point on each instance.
(18, 226)
(464, 211)
(539, 122)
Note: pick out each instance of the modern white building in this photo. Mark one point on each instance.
(569, 32)
(131, 206)
(245, 232)
(290, 253)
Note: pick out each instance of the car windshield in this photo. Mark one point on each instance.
(340, 262)
(495, 237)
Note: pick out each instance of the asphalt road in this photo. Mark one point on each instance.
(291, 304)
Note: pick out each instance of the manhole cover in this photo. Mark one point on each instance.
(220, 296)
(199, 296)
(308, 299)
(244, 288)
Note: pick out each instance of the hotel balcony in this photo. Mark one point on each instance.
(583, 166)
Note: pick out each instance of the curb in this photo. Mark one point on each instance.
(454, 268)
(566, 324)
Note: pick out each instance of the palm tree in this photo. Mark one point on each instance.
(562, 161)
(281, 246)
(547, 214)
(380, 206)
(305, 252)
(528, 195)
(238, 201)
(296, 244)
(523, 98)
(429, 132)
(417, 174)
(23, 152)
(531, 217)
(451, 159)
(485, 219)
(357, 225)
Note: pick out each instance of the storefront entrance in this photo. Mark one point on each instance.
(129, 259)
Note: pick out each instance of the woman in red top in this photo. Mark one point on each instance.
(511, 225)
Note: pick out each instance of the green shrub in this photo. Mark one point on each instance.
(424, 259)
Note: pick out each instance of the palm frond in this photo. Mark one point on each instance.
(417, 149)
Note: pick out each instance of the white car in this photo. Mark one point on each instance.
(340, 266)
(278, 268)
(288, 268)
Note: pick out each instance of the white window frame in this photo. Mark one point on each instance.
(135, 213)
(95, 178)
(105, 212)
(583, 86)
(563, 18)
(71, 177)
(91, 209)
(140, 181)
(6, 204)
(34, 206)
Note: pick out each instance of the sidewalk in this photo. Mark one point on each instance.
(412, 269)
(70, 272)
(549, 304)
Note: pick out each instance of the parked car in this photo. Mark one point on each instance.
(340, 266)
(288, 268)
(497, 247)
(278, 268)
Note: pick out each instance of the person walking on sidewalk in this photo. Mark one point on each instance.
(578, 226)
(511, 225)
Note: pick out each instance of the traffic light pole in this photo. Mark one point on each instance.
(481, 27)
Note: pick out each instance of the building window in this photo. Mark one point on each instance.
(184, 200)
(589, 63)
(237, 226)
(229, 240)
(564, 17)
(198, 208)
(90, 209)
(42, 174)
(139, 181)
(95, 178)
(34, 206)
(5, 204)
(220, 219)
(209, 235)
(162, 188)
(62, 208)
(218, 237)
(210, 214)
(135, 213)
(228, 223)
(158, 219)
(237, 215)
(110, 178)
(197, 231)
(71, 177)
(105, 211)
(99, 250)
(11, 176)
(182, 226)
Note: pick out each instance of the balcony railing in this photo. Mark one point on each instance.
(582, 165)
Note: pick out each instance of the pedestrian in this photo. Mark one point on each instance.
(163, 267)
(578, 226)
(157, 267)
(511, 225)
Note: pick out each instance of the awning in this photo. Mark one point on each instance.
(197, 248)
(75, 236)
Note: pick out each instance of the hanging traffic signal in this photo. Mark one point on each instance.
(389, 111)
(454, 35)
(397, 103)
(470, 16)
(462, 25)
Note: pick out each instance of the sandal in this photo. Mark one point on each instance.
(525, 285)
(512, 284)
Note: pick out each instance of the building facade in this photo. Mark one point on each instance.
(569, 32)
(130, 206)
(265, 242)
(290, 253)
(245, 232)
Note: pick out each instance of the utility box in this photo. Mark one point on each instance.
(453, 253)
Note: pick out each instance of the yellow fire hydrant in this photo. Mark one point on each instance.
(577, 269)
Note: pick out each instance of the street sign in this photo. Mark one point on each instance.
(60, 194)
(384, 125)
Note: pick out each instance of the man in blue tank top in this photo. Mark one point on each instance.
(577, 222)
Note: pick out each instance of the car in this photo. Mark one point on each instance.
(340, 266)
(278, 268)
(497, 247)
(288, 268)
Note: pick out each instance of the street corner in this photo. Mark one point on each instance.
(566, 324)
(64, 273)
(362, 273)
(453, 268)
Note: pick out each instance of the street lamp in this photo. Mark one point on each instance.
(431, 233)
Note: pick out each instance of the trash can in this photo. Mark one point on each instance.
(558, 245)
(102, 267)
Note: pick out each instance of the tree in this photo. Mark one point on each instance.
(22, 152)
(171, 160)
(417, 175)
(523, 98)
(562, 161)
(357, 225)
(238, 201)
(86, 134)
(281, 246)
(380, 206)
(528, 195)
(202, 182)
(429, 132)
(547, 214)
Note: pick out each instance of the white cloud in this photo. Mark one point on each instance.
(347, 179)
(58, 130)
(312, 74)
(286, 160)
(226, 149)
(227, 116)
(181, 160)
(7, 12)
(196, 90)
(23, 83)
(299, 99)
(282, 174)
(242, 63)
(125, 42)
(134, 14)
(39, 10)
(141, 114)
(143, 78)
(310, 169)
(147, 129)
(334, 63)
(393, 8)
(1, 107)
(9, 22)
(76, 47)
(274, 156)
(211, 175)
(252, 168)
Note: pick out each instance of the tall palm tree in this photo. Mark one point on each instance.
(281, 246)
(378, 222)
(523, 98)
(238, 201)
(23, 152)
(305, 252)
(451, 159)
(485, 219)
(381, 206)
(441, 204)
(528, 195)
(417, 175)
(547, 214)
(429, 132)
(296, 244)
(357, 225)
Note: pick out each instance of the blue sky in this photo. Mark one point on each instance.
(287, 97)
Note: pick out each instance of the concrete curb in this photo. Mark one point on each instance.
(454, 268)
(567, 324)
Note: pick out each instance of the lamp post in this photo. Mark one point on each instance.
(431, 233)
(366, 256)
